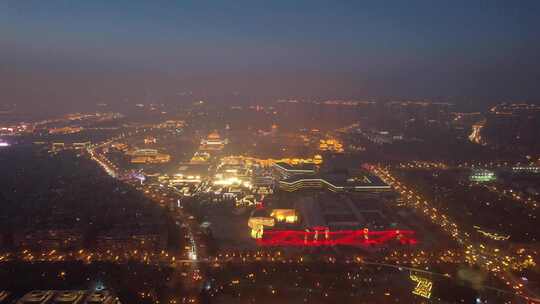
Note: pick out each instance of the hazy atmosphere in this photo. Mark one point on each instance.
(263, 152)
(83, 52)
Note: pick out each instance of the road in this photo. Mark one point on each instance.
(494, 260)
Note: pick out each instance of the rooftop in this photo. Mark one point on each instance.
(298, 167)
(342, 179)
(68, 296)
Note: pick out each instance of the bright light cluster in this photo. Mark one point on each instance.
(321, 236)
(423, 286)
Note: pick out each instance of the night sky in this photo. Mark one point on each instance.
(57, 53)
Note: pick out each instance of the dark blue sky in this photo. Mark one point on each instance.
(62, 51)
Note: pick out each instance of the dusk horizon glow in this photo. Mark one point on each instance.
(84, 52)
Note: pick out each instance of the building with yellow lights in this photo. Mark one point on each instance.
(288, 216)
(232, 175)
(156, 159)
(200, 158)
(423, 286)
(148, 156)
(258, 220)
(331, 145)
(190, 173)
(150, 140)
(213, 142)
(269, 162)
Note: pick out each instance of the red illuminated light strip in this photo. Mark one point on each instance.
(321, 237)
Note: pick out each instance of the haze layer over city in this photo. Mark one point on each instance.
(269, 152)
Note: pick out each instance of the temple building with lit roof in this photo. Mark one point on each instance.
(213, 142)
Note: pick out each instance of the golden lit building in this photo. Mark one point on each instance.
(269, 162)
(285, 215)
(148, 156)
(190, 173)
(200, 158)
(331, 145)
(213, 142)
(257, 221)
(159, 158)
(150, 140)
(317, 159)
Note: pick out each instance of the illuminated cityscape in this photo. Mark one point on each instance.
(282, 152)
(196, 205)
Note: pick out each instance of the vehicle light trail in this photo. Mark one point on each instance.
(495, 260)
